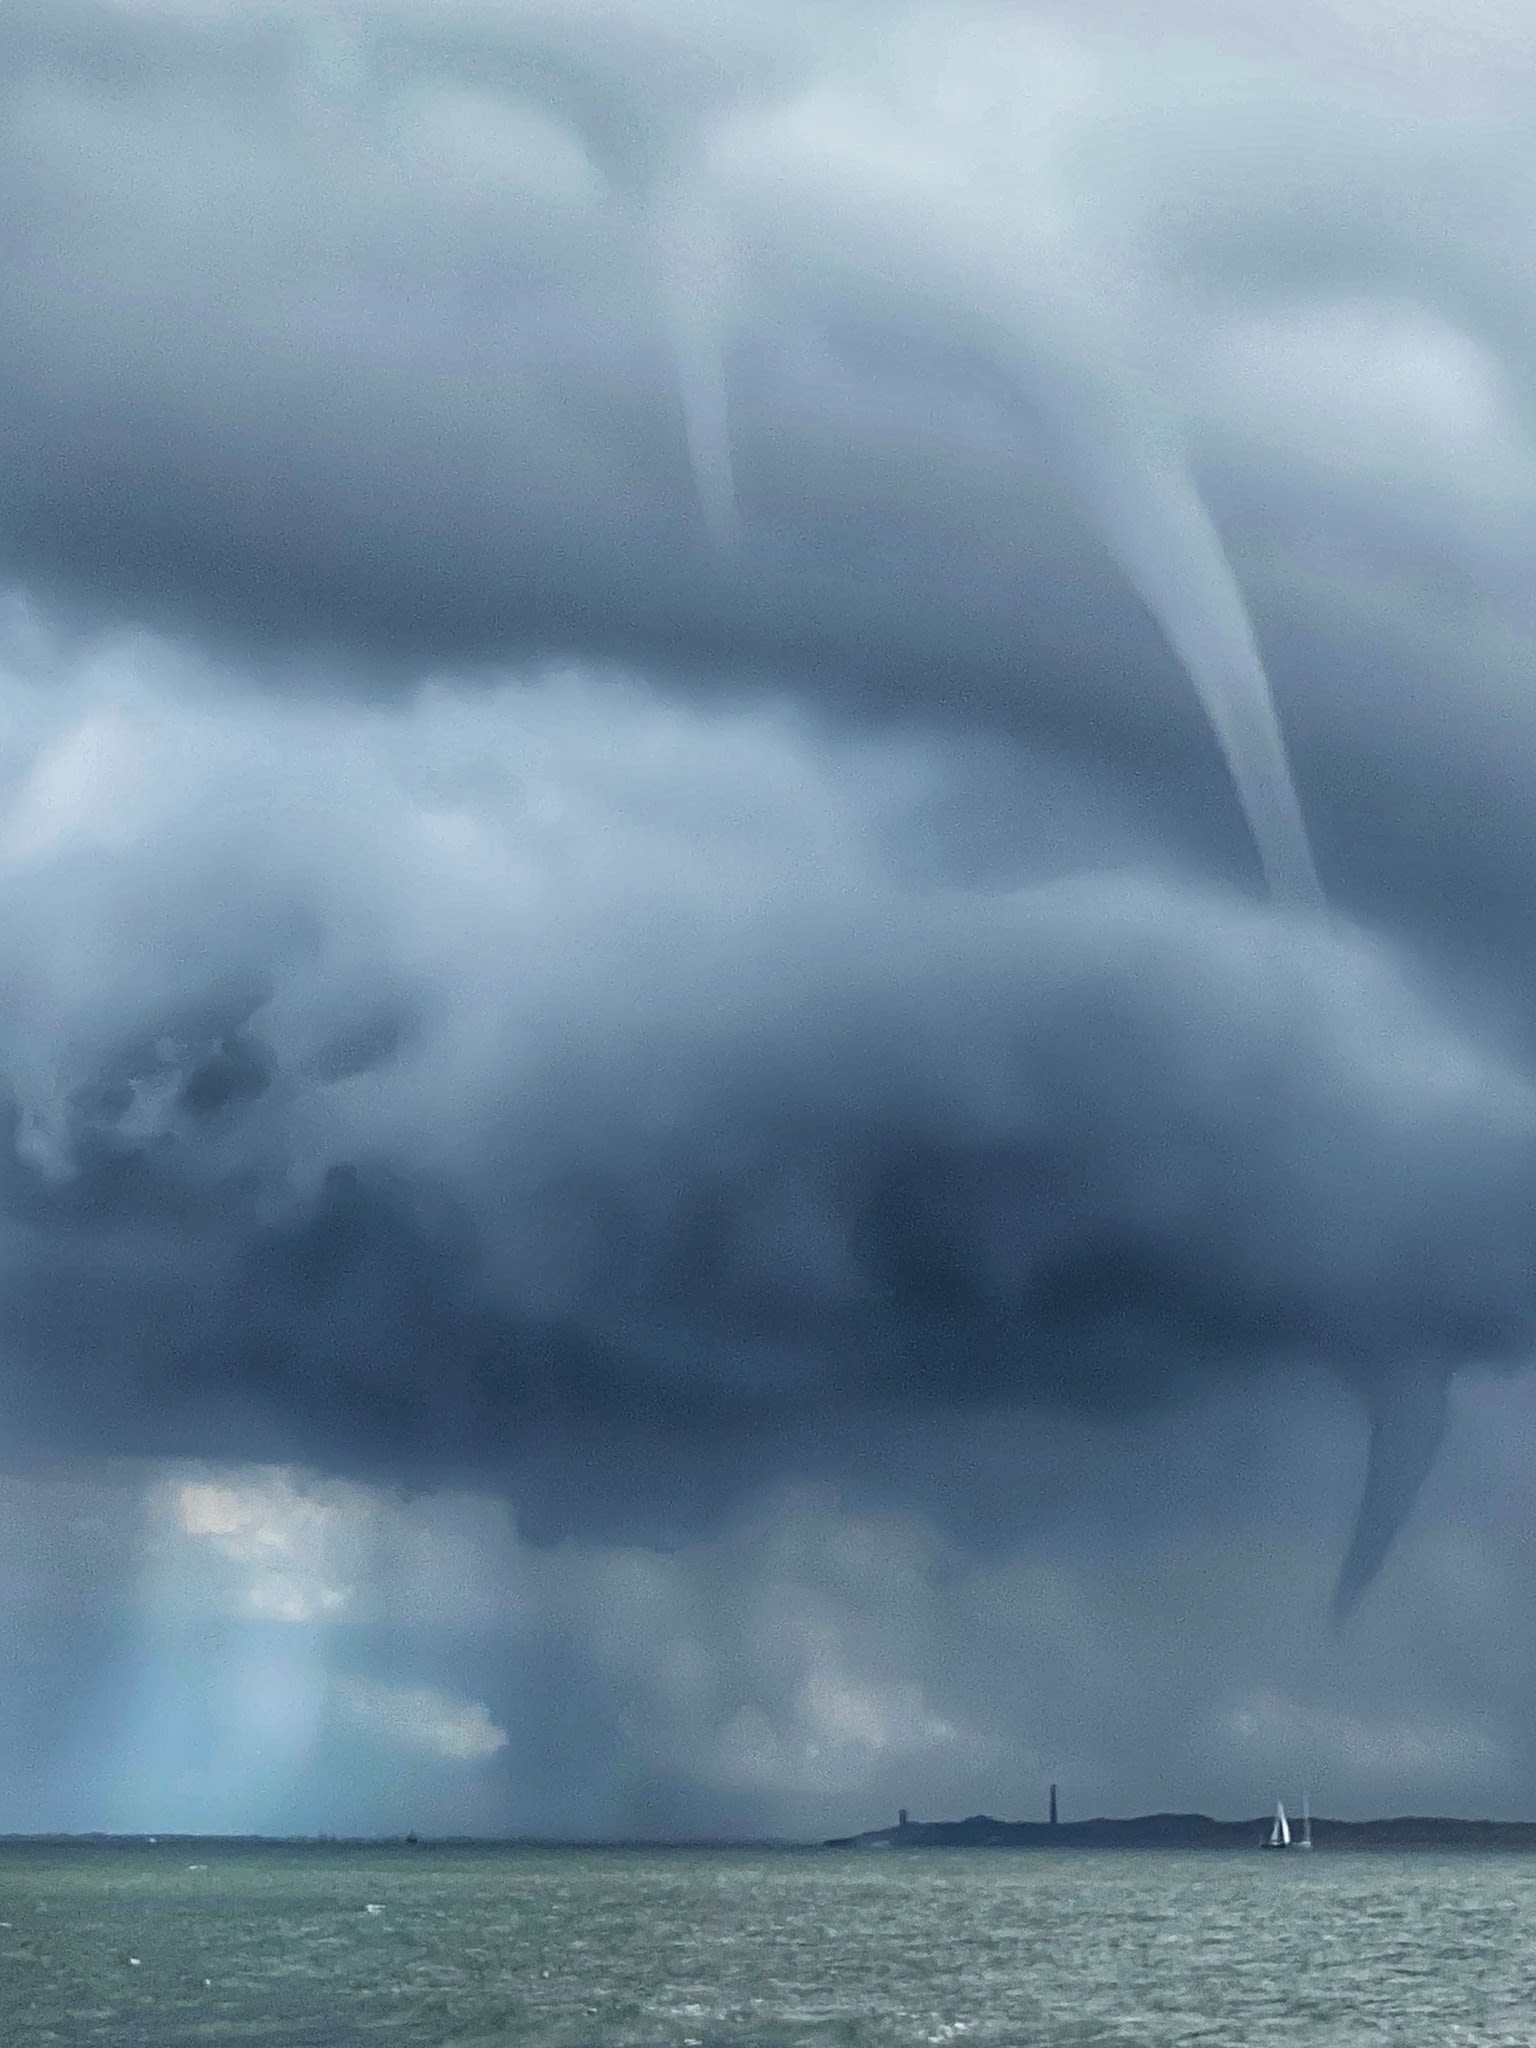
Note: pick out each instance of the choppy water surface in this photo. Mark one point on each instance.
(577, 1950)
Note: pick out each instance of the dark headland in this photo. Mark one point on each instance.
(1187, 1831)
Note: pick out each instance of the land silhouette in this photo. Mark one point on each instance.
(1188, 1831)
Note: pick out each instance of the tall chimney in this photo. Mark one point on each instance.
(1054, 1815)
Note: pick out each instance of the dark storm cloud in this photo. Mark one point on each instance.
(626, 1097)
(347, 328)
(249, 249)
(558, 1083)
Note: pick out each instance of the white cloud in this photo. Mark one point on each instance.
(421, 1718)
(283, 1550)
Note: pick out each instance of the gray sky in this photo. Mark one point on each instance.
(666, 1165)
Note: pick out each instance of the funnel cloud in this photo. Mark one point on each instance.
(1407, 1429)
(691, 256)
(1159, 531)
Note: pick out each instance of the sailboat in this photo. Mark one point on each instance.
(1280, 1836)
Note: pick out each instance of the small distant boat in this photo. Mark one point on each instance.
(1280, 1836)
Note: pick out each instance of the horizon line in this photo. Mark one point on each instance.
(328, 1838)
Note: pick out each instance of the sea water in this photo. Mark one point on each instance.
(330, 1947)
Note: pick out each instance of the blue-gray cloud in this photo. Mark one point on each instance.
(494, 980)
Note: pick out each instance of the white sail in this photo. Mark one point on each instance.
(1280, 1833)
(1306, 1823)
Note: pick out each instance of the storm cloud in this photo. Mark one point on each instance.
(610, 887)
(455, 1081)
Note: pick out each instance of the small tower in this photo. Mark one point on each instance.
(1054, 1815)
(901, 1818)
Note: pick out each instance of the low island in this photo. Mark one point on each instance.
(1187, 1831)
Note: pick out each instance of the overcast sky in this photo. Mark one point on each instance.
(713, 1118)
